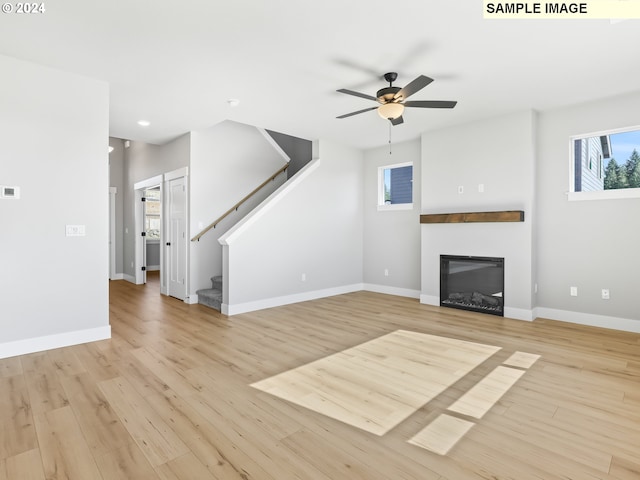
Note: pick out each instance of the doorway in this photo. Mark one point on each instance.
(161, 233)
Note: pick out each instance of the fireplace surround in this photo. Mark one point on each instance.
(472, 283)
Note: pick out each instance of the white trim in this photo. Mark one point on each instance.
(430, 300)
(616, 194)
(153, 268)
(274, 144)
(400, 292)
(398, 206)
(518, 314)
(191, 299)
(619, 193)
(249, 219)
(118, 276)
(129, 278)
(509, 312)
(148, 183)
(288, 299)
(180, 172)
(590, 319)
(395, 206)
(39, 344)
(112, 232)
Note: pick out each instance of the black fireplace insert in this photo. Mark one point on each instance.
(472, 283)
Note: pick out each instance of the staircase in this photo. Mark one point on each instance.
(212, 297)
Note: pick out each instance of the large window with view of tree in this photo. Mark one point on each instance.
(605, 162)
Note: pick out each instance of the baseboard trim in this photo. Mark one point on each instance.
(191, 299)
(590, 319)
(509, 312)
(117, 276)
(49, 342)
(129, 278)
(519, 314)
(239, 308)
(400, 292)
(429, 300)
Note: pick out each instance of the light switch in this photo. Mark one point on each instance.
(76, 230)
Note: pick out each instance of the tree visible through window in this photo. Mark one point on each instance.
(609, 161)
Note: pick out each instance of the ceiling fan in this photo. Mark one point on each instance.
(393, 100)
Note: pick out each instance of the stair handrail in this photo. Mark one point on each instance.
(237, 205)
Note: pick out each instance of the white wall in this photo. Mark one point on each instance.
(228, 161)
(54, 130)
(498, 153)
(392, 237)
(313, 226)
(588, 244)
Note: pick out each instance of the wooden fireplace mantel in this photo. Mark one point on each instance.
(474, 217)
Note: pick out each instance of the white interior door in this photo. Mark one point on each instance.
(177, 239)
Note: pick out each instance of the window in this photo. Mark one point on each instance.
(606, 165)
(152, 213)
(395, 187)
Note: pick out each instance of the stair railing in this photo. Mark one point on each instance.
(237, 205)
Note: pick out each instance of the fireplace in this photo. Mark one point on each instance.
(472, 283)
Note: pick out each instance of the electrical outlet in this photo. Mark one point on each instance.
(303, 277)
(481, 188)
(605, 294)
(386, 272)
(460, 189)
(574, 291)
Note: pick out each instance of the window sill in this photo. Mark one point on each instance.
(397, 206)
(604, 194)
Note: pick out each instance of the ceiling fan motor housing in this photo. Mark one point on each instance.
(387, 94)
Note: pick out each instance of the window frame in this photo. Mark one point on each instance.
(619, 193)
(382, 206)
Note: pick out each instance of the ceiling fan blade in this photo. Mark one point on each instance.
(357, 94)
(396, 121)
(356, 113)
(414, 86)
(430, 104)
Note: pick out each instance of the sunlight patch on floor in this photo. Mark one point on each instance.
(442, 434)
(376, 385)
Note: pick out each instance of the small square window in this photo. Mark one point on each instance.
(395, 186)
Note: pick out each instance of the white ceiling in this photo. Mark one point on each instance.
(176, 63)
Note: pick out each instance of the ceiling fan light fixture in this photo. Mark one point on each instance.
(391, 110)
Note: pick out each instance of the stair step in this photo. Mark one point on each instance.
(210, 297)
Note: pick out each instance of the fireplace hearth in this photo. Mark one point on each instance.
(472, 283)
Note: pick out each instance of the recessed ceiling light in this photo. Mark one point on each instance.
(144, 123)
(233, 102)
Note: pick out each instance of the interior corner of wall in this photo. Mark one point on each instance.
(271, 141)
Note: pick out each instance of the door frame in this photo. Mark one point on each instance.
(112, 233)
(139, 261)
(138, 221)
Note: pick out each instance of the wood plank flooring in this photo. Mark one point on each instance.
(170, 397)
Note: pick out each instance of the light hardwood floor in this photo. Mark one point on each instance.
(170, 396)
